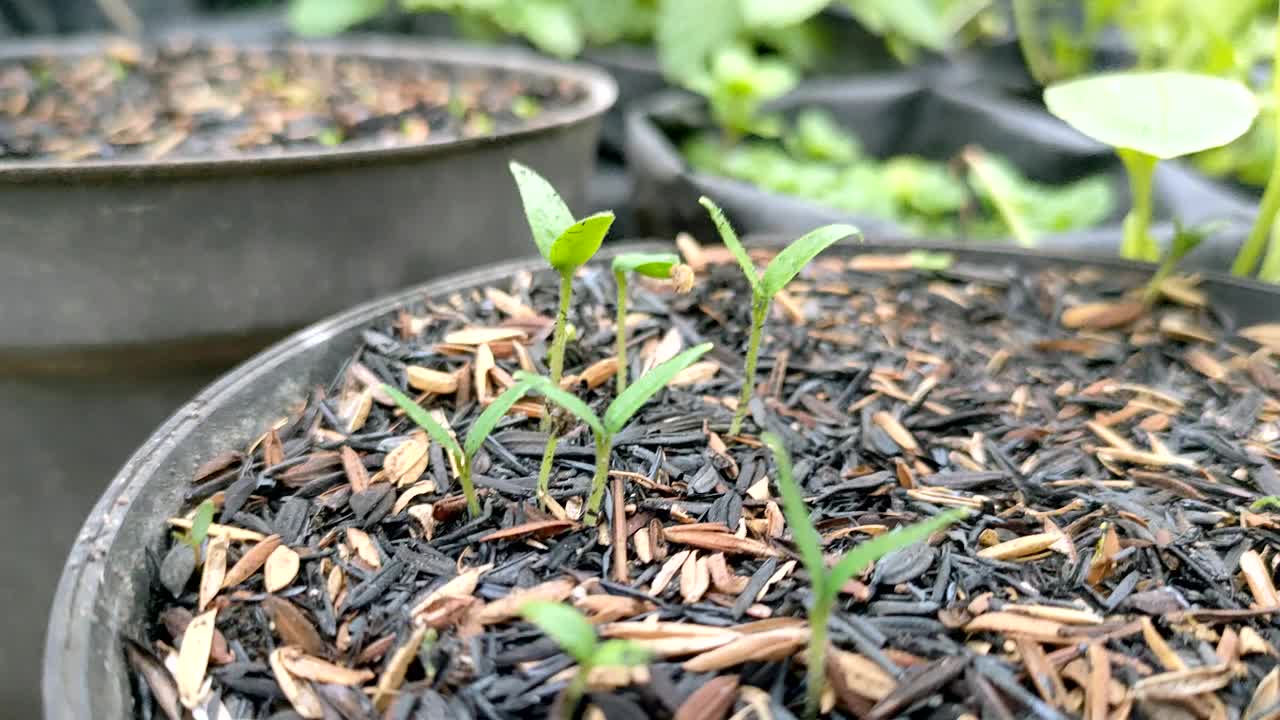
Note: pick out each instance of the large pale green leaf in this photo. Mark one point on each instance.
(548, 215)
(654, 265)
(569, 628)
(779, 13)
(690, 31)
(575, 246)
(1162, 114)
(318, 18)
(619, 412)
(869, 551)
(483, 425)
(802, 531)
(551, 26)
(565, 399)
(786, 264)
(731, 241)
(424, 420)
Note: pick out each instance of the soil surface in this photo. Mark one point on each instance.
(183, 100)
(1113, 565)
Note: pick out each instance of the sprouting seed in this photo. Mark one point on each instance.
(575, 635)
(784, 266)
(200, 523)
(616, 416)
(826, 583)
(654, 265)
(476, 434)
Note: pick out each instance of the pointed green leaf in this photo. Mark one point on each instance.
(575, 246)
(567, 400)
(548, 216)
(201, 522)
(619, 653)
(803, 533)
(731, 241)
(864, 554)
(318, 18)
(646, 386)
(654, 265)
(424, 420)
(569, 628)
(786, 264)
(1162, 114)
(483, 425)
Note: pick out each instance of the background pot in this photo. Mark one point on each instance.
(893, 114)
(129, 285)
(105, 586)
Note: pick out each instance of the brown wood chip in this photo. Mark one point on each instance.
(193, 658)
(250, 562)
(298, 692)
(431, 381)
(765, 646)
(533, 529)
(1103, 315)
(281, 568)
(301, 665)
(509, 606)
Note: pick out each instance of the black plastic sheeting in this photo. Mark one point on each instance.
(918, 113)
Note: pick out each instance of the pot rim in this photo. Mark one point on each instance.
(600, 88)
(67, 631)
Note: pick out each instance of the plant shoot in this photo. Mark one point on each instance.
(784, 266)
(200, 523)
(654, 265)
(826, 583)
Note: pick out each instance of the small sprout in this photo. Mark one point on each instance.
(1148, 117)
(1265, 502)
(476, 435)
(784, 266)
(654, 265)
(826, 583)
(330, 137)
(577, 637)
(1184, 241)
(931, 261)
(525, 107)
(1001, 189)
(194, 537)
(616, 416)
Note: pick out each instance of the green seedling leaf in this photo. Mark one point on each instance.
(774, 14)
(550, 25)
(731, 241)
(654, 265)
(200, 523)
(646, 386)
(424, 420)
(318, 18)
(865, 553)
(1262, 503)
(575, 246)
(619, 653)
(548, 216)
(1162, 114)
(802, 531)
(786, 264)
(483, 425)
(568, 627)
(544, 387)
(932, 261)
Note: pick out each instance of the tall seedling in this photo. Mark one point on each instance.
(1148, 117)
(566, 244)
(784, 266)
(616, 416)
(826, 583)
(654, 265)
(476, 434)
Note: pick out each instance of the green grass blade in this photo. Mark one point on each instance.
(646, 386)
(620, 653)
(654, 265)
(731, 241)
(865, 553)
(547, 214)
(424, 420)
(201, 522)
(788, 263)
(567, 400)
(564, 624)
(483, 425)
(802, 531)
(578, 242)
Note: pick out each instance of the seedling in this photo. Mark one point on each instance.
(1148, 117)
(566, 244)
(200, 523)
(826, 583)
(476, 434)
(1264, 224)
(1184, 241)
(784, 266)
(576, 636)
(654, 265)
(616, 416)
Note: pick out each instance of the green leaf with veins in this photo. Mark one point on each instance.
(547, 214)
(579, 242)
(654, 265)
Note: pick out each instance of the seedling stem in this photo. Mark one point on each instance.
(1263, 225)
(1138, 243)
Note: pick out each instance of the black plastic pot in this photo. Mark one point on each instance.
(127, 286)
(103, 594)
(902, 113)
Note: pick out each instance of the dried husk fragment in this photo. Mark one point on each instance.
(292, 625)
(1259, 580)
(1183, 684)
(509, 606)
(214, 571)
(1102, 315)
(298, 692)
(860, 675)
(765, 646)
(193, 658)
(281, 568)
(301, 665)
(365, 547)
(712, 701)
(406, 463)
